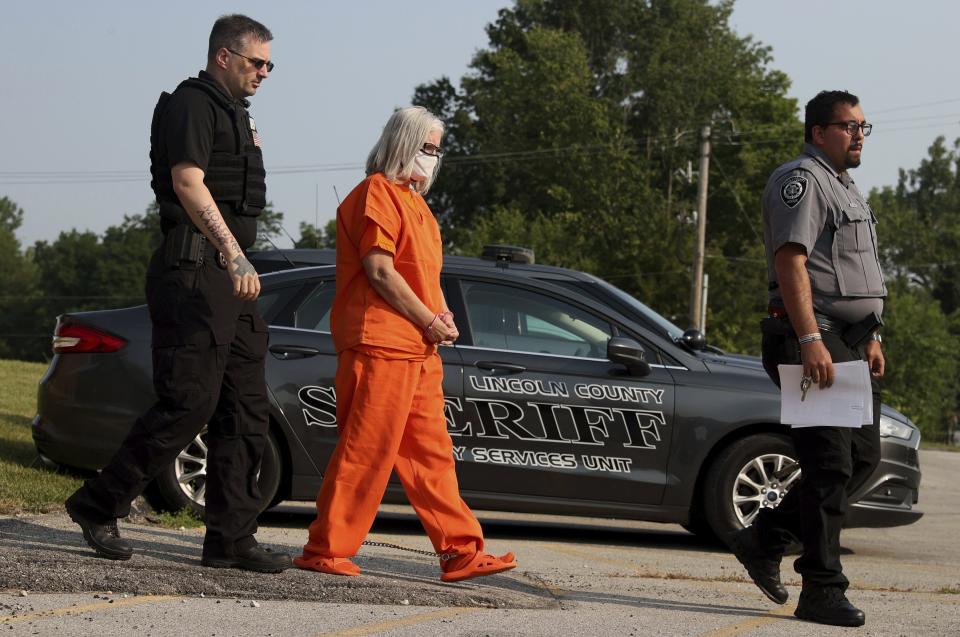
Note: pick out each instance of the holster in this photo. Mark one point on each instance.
(183, 247)
(858, 332)
(776, 326)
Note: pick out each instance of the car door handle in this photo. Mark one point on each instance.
(497, 366)
(290, 352)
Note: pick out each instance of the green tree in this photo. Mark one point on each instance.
(919, 237)
(81, 271)
(576, 127)
(269, 228)
(128, 248)
(314, 237)
(921, 353)
(17, 287)
(919, 224)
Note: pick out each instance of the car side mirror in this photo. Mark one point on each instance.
(629, 353)
(694, 339)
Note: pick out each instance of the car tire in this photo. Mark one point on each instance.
(183, 483)
(741, 481)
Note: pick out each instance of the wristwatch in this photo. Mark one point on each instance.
(876, 337)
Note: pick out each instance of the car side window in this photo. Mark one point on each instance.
(314, 312)
(516, 319)
(271, 301)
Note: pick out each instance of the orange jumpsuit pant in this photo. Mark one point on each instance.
(390, 415)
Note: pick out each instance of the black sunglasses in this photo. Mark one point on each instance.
(256, 62)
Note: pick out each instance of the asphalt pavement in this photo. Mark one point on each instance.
(576, 576)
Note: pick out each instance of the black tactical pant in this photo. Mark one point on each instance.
(835, 461)
(208, 369)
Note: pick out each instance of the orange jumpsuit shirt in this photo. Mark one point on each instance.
(381, 214)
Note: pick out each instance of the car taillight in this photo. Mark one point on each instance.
(75, 338)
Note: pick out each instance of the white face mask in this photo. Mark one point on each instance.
(424, 165)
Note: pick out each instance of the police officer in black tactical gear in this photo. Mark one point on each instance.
(209, 341)
(826, 298)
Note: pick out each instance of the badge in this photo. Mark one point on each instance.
(254, 133)
(793, 190)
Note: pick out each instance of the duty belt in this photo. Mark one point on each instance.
(824, 322)
(208, 250)
(853, 334)
(186, 246)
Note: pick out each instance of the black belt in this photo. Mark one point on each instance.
(830, 324)
(853, 334)
(824, 322)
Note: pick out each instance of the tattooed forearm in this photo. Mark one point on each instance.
(213, 221)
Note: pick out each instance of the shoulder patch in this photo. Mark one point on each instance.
(793, 190)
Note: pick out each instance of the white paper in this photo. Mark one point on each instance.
(847, 403)
(868, 399)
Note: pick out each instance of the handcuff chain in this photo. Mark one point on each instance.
(444, 557)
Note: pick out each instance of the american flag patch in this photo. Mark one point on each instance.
(256, 134)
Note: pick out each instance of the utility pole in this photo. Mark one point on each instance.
(696, 296)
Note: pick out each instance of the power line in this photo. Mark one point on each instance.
(916, 119)
(906, 108)
(45, 178)
(781, 140)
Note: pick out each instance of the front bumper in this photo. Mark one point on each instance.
(890, 496)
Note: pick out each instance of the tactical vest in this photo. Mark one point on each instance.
(851, 265)
(235, 176)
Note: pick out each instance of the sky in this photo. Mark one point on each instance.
(80, 81)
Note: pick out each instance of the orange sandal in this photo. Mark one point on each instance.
(329, 565)
(477, 565)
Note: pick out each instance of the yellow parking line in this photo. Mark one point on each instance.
(390, 624)
(76, 610)
(751, 624)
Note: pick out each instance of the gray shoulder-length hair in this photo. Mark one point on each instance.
(402, 137)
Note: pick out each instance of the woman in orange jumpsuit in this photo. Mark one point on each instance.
(388, 316)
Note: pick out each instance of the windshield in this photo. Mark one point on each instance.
(669, 328)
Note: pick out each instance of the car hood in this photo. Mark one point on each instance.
(741, 361)
(746, 363)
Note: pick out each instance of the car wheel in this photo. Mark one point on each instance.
(184, 483)
(749, 475)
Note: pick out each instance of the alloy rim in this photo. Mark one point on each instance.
(191, 469)
(762, 484)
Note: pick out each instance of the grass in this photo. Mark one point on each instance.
(938, 446)
(949, 590)
(183, 518)
(25, 485)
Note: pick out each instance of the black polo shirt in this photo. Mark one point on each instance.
(192, 127)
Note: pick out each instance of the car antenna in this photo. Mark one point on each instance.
(274, 246)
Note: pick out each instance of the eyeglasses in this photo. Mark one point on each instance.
(256, 62)
(850, 128)
(432, 149)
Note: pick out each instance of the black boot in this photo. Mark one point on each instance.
(763, 569)
(828, 605)
(258, 558)
(103, 537)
